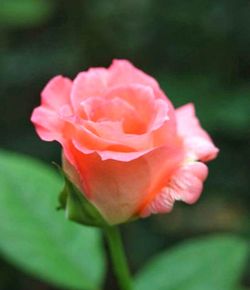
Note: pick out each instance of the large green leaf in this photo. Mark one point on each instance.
(38, 238)
(210, 263)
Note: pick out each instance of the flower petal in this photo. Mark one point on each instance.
(48, 125)
(90, 83)
(118, 188)
(56, 93)
(186, 184)
(55, 103)
(122, 72)
(198, 144)
(154, 111)
(88, 142)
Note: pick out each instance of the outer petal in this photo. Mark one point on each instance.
(198, 143)
(122, 72)
(56, 93)
(186, 185)
(118, 188)
(48, 125)
(55, 103)
(187, 182)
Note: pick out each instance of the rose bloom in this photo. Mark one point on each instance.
(125, 146)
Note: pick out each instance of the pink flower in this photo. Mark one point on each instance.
(124, 144)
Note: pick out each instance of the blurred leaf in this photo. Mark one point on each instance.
(38, 238)
(16, 13)
(204, 264)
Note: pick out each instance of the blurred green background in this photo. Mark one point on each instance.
(199, 52)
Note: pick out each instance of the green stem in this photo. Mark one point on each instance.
(118, 257)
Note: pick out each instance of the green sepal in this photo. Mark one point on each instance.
(76, 206)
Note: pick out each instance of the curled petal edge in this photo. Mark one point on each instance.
(186, 184)
(198, 143)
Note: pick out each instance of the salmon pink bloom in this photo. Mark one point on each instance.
(125, 146)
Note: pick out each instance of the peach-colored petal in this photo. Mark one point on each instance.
(107, 185)
(154, 111)
(110, 148)
(88, 141)
(106, 137)
(186, 184)
(113, 131)
(198, 143)
(118, 188)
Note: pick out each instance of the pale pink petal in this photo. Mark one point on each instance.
(100, 109)
(113, 131)
(118, 152)
(140, 97)
(122, 156)
(93, 107)
(87, 140)
(161, 109)
(90, 83)
(198, 144)
(122, 72)
(56, 93)
(186, 184)
(48, 125)
(47, 118)
(162, 203)
(110, 119)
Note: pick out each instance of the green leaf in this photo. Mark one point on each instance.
(37, 237)
(210, 263)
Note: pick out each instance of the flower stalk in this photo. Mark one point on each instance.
(118, 257)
